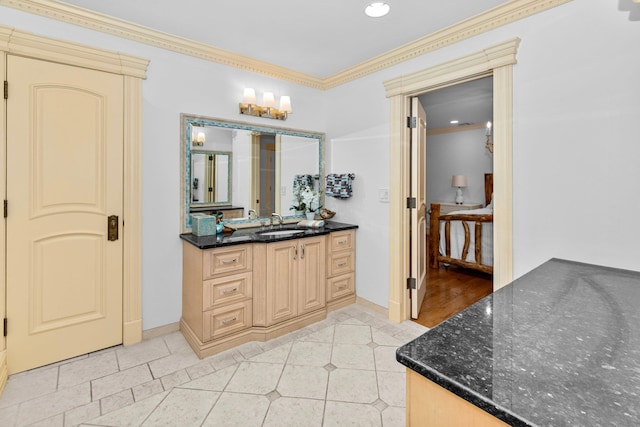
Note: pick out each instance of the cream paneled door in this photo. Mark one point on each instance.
(64, 180)
(419, 214)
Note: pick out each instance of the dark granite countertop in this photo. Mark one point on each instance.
(252, 235)
(559, 346)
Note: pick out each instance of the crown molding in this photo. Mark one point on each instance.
(486, 21)
(100, 22)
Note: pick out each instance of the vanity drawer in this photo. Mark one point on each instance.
(226, 289)
(341, 240)
(226, 260)
(340, 263)
(340, 286)
(226, 319)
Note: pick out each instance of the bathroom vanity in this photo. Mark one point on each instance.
(263, 282)
(559, 346)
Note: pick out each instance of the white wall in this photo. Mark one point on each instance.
(175, 84)
(457, 153)
(576, 146)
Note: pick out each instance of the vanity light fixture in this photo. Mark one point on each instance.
(377, 9)
(268, 108)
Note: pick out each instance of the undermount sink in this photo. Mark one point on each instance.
(281, 232)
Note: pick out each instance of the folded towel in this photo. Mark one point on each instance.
(339, 185)
(311, 223)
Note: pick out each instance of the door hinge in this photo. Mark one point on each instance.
(411, 122)
(6, 208)
(6, 89)
(5, 326)
(411, 202)
(411, 283)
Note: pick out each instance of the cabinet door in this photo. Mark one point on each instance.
(311, 288)
(282, 279)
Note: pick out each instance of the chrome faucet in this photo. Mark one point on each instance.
(280, 220)
(252, 211)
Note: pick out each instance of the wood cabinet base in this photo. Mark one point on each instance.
(341, 302)
(428, 404)
(205, 349)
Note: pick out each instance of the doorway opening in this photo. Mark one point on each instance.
(458, 129)
(496, 61)
(267, 175)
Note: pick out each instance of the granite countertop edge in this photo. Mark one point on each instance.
(251, 235)
(463, 392)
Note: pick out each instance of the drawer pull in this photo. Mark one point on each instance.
(229, 291)
(342, 242)
(342, 287)
(230, 261)
(229, 320)
(342, 264)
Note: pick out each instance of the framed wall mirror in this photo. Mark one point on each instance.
(239, 166)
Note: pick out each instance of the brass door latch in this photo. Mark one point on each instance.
(112, 228)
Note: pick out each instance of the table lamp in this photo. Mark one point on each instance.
(459, 181)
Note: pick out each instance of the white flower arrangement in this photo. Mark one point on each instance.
(311, 199)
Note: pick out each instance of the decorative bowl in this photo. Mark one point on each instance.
(326, 213)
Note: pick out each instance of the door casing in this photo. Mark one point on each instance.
(496, 61)
(134, 71)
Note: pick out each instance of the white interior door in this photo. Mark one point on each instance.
(419, 214)
(64, 180)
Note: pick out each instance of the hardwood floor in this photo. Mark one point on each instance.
(451, 291)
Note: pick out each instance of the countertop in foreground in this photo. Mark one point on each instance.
(560, 346)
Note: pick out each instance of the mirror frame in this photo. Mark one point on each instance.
(189, 120)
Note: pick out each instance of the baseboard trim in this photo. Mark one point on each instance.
(160, 330)
(372, 306)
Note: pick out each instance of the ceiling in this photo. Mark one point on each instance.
(469, 103)
(315, 38)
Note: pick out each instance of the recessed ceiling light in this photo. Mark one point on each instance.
(454, 122)
(377, 9)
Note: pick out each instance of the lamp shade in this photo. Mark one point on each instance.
(459, 181)
(268, 100)
(285, 104)
(249, 96)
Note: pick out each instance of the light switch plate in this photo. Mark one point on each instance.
(383, 195)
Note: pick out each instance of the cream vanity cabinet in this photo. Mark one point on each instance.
(294, 280)
(232, 294)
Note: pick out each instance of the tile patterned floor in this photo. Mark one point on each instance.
(340, 371)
